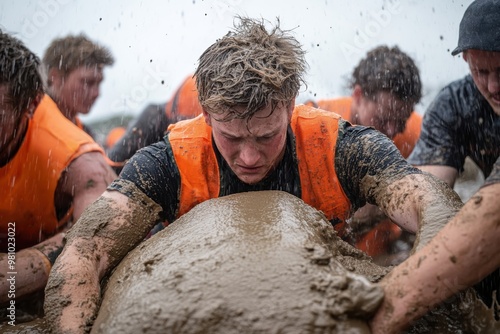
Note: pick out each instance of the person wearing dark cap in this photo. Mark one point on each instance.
(464, 120)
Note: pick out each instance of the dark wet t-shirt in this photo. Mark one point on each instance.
(459, 123)
(360, 151)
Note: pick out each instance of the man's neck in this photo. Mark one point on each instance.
(66, 111)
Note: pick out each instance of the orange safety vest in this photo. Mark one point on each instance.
(114, 135)
(315, 133)
(30, 179)
(184, 103)
(404, 141)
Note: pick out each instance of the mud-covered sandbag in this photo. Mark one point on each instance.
(258, 262)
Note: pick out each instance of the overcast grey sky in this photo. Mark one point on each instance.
(160, 40)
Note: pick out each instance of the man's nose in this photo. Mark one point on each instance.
(494, 82)
(249, 154)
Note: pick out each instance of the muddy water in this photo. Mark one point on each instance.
(260, 262)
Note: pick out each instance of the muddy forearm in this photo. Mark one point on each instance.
(442, 203)
(447, 264)
(420, 204)
(27, 274)
(30, 268)
(106, 232)
(72, 294)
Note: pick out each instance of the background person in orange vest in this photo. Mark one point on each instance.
(151, 125)
(50, 171)
(113, 136)
(74, 69)
(250, 137)
(386, 86)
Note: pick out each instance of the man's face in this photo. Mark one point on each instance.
(385, 112)
(77, 91)
(485, 70)
(253, 149)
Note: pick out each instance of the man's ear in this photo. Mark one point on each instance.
(464, 55)
(207, 117)
(55, 78)
(357, 94)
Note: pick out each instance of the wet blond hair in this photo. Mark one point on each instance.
(250, 67)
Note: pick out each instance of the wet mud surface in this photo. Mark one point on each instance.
(260, 262)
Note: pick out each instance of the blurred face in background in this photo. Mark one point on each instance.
(76, 92)
(384, 111)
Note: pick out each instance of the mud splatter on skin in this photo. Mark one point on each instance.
(136, 222)
(438, 202)
(90, 184)
(104, 228)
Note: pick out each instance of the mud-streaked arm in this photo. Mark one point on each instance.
(419, 203)
(107, 230)
(460, 255)
(371, 169)
(32, 269)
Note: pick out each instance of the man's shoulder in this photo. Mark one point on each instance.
(54, 137)
(462, 91)
(458, 100)
(51, 122)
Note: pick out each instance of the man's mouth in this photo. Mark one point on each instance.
(495, 98)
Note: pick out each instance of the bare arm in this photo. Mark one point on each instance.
(86, 179)
(444, 266)
(106, 232)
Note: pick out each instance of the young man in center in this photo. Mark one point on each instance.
(250, 137)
